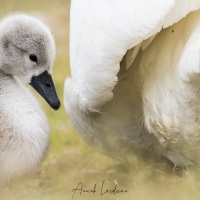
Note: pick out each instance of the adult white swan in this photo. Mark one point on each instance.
(26, 55)
(135, 77)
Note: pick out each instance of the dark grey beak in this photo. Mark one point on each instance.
(44, 85)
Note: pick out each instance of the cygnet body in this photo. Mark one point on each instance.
(27, 52)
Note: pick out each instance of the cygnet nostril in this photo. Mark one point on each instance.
(48, 84)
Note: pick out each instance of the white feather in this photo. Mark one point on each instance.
(110, 105)
(95, 28)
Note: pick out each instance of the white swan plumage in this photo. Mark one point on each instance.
(27, 53)
(135, 77)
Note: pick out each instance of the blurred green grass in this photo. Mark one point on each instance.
(70, 160)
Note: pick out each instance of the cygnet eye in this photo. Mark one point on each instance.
(33, 58)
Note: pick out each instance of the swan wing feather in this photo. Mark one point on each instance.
(101, 32)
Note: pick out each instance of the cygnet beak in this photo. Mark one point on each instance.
(44, 85)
